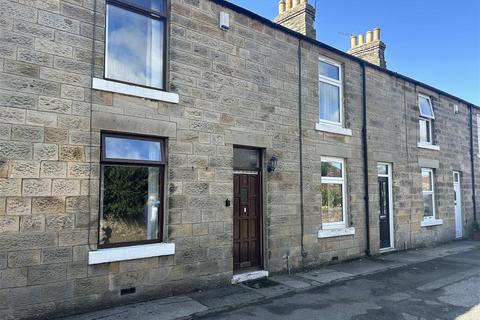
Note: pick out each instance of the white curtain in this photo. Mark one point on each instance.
(329, 102)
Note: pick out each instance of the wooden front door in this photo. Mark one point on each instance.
(246, 221)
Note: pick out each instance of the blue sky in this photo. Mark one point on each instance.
(433, 41)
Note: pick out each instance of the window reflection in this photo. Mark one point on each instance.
(131, 149)
(134, 48)
(331, 169)
(130, 204)
(154, 5)
(329, 70)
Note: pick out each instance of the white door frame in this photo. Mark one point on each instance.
(457, 187)
(390, 204)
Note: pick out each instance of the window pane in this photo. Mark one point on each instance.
(382, 169)
(425, 131)
(329, 102)
(332, 169)
(154, 5)
(426, 109)
(329, 70)
(132, 149)
(130, 204)
(246, 158)
(427, 181)
(332, 203)
(134, 48)
(428, 205)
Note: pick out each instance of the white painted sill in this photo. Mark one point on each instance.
(431, 222)
(131, 253)
(248, 276)
(133, 90)
(333, 129)
(340, 232)
(428, 146)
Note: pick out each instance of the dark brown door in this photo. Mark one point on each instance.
(384, 212)
(246, 222)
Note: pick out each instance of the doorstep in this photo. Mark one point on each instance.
(249, 276)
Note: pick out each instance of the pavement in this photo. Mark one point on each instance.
(432, 283)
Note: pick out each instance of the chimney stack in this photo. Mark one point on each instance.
(297, 15)
(370, 48)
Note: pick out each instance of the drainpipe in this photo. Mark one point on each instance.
(472, 159)
(300, 142)
(365, 158)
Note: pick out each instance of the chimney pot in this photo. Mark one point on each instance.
(361, 39)
(281, 6)
(376, 34)
(353, 41)
(369, 37)
(289, 4)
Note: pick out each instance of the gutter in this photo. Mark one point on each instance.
(300, 142)
(472, 159)
(365, 158)
(322, 45)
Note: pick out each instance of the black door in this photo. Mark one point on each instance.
(384, 212)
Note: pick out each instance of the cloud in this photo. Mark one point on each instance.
(134, 48)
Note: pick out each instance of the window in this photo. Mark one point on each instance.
(333, 193)
(135, 42)
(131, 208)
(426, 118)
(330, 92)
(428, 192)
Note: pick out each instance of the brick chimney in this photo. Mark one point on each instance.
(369, 47)
(297, 15)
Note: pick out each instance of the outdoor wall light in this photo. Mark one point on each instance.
(272, 164)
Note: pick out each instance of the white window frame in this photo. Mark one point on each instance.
(338, 83)
(431, 107)
(429, 123)
(432, 192)
(343, 182)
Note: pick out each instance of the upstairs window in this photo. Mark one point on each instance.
(330, 92)
(135, 42)
(426, 119)
(132, 178)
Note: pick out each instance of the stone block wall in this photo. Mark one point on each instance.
(236, 88)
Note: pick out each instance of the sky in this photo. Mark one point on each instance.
(433, 41)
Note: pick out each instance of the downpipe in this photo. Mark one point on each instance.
(365, 159)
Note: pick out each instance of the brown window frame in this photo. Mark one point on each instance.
(152, 14)
(104, 161)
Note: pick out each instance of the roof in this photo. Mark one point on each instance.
(302, 37)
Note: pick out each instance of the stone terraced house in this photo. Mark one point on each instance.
(153, 147)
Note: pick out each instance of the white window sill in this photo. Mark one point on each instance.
(340, 232)
(333, 129)
(130, 253)
(428, 146)
(133, 90)
(429, 222)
